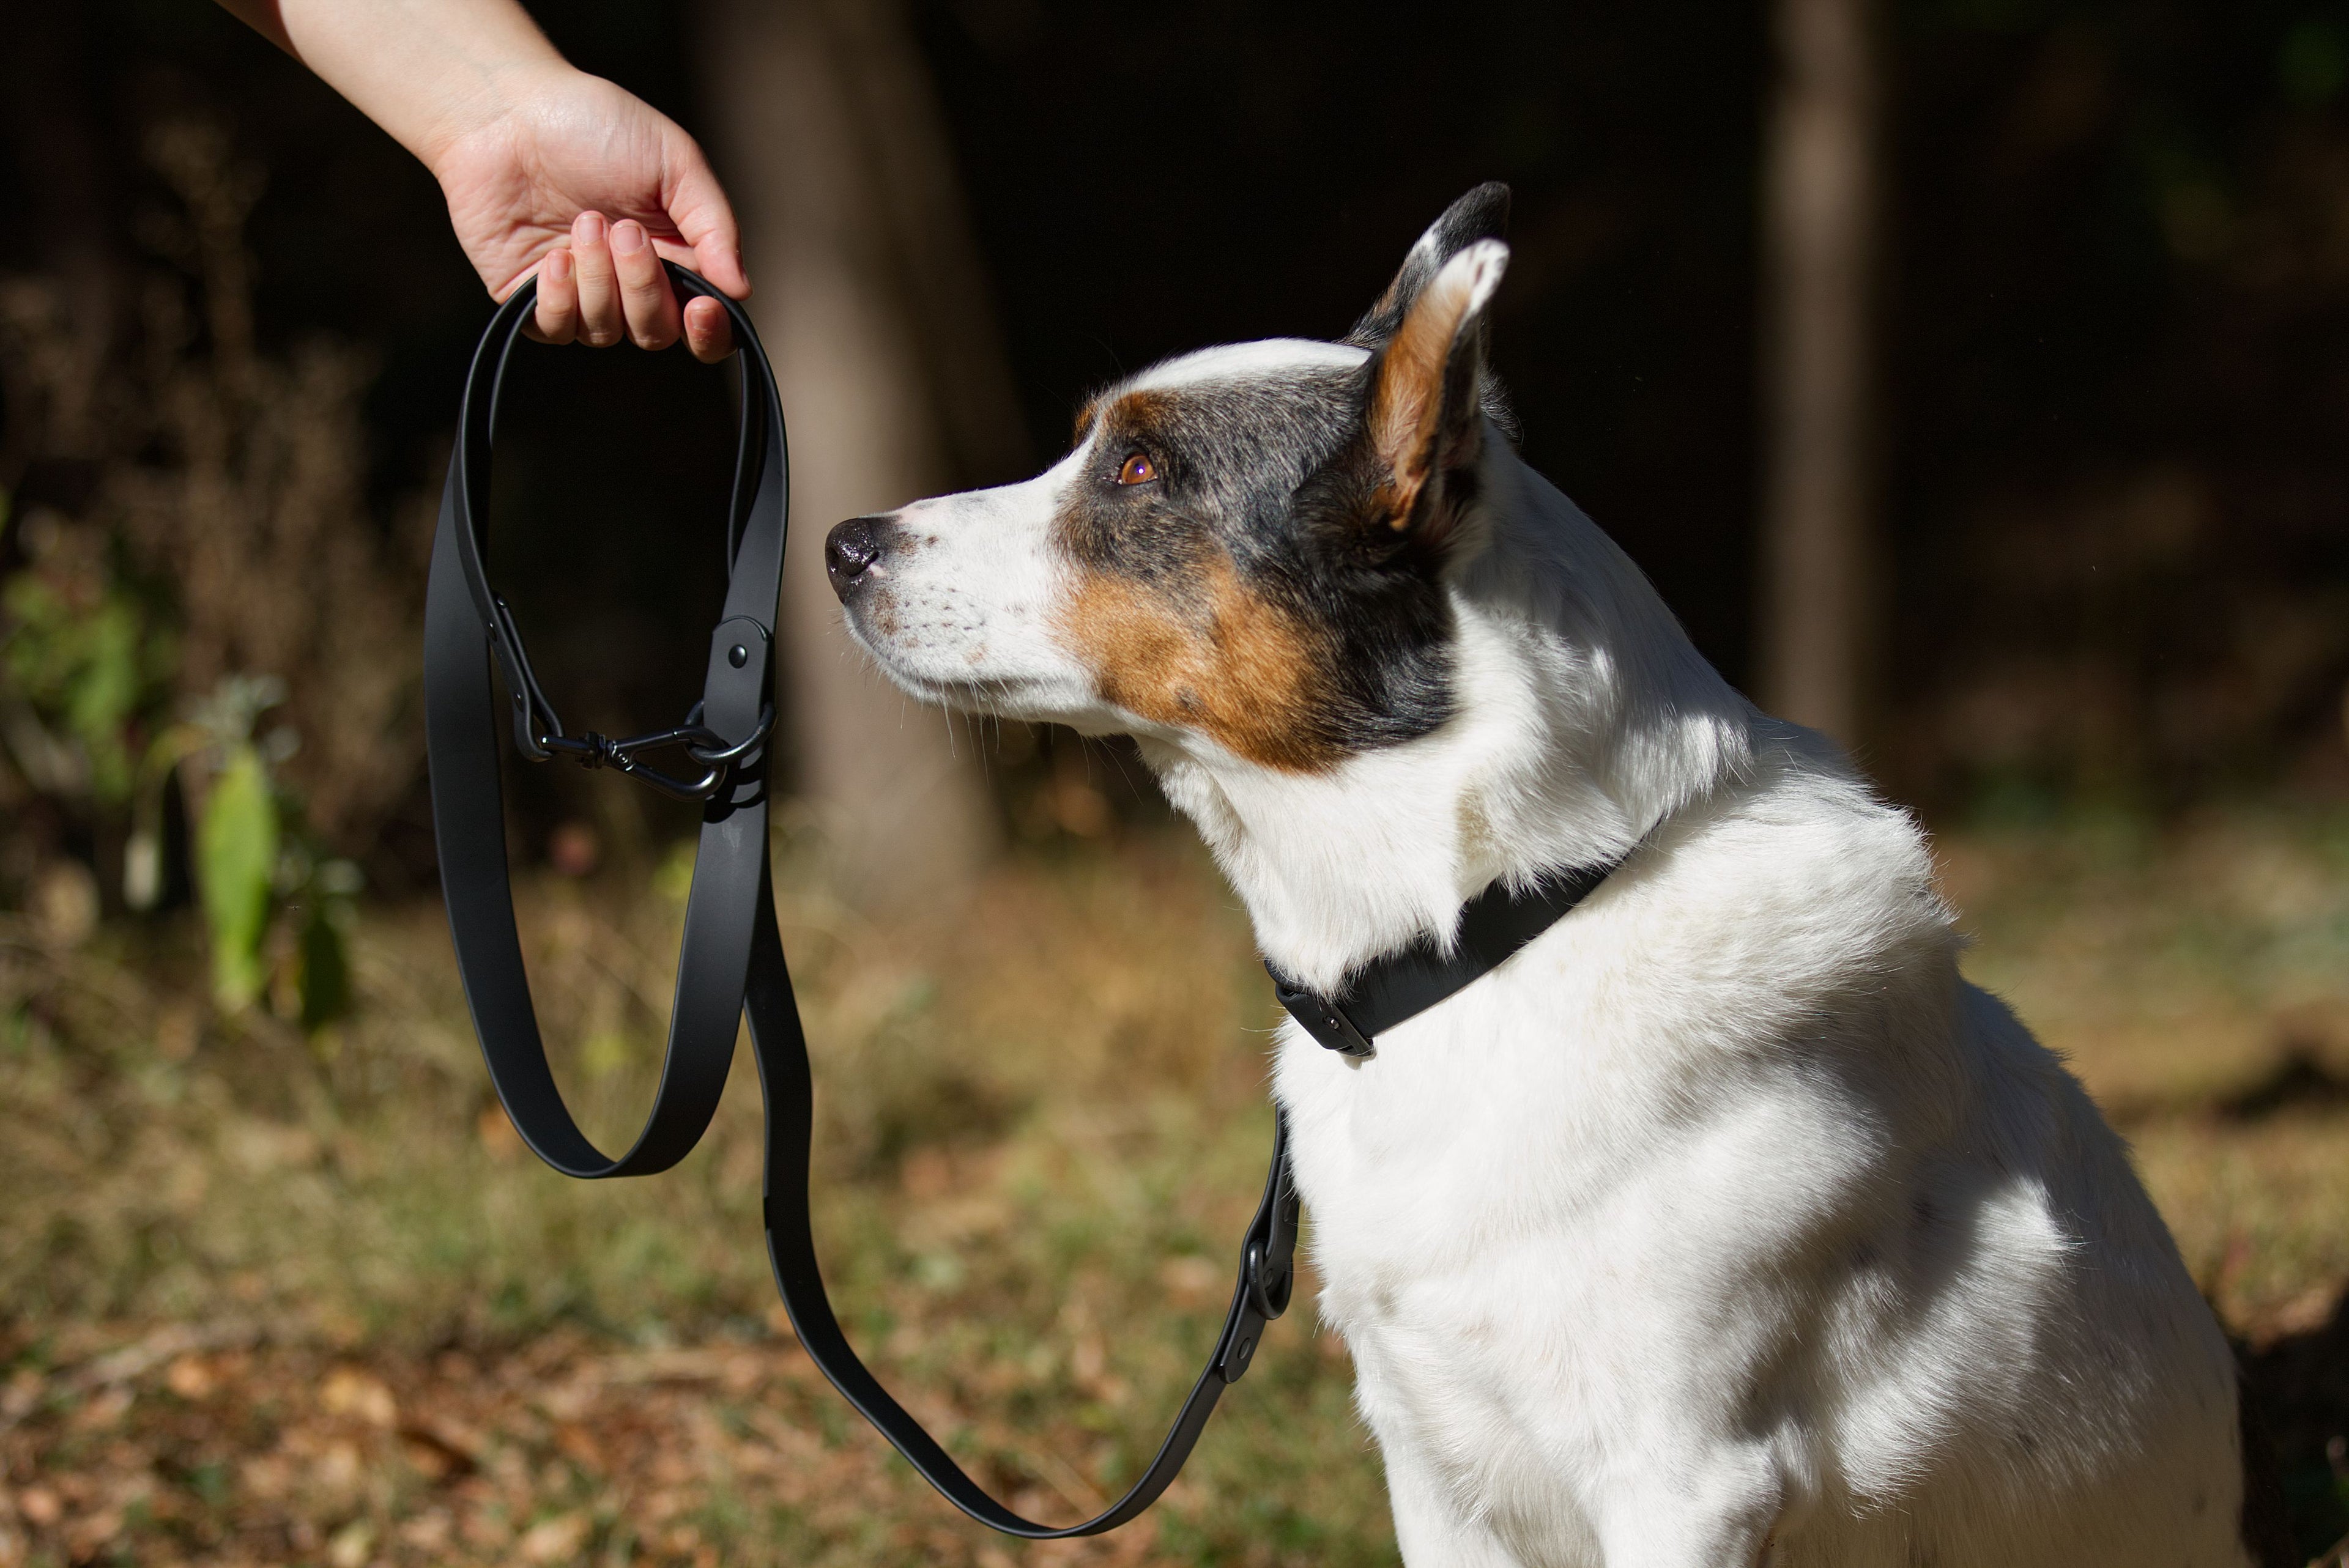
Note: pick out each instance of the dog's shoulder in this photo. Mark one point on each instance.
(1795, 874)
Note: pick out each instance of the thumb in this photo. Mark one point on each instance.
(704, 220)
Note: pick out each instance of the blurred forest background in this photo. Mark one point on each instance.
(1972, 376)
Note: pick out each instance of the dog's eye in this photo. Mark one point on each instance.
(1138, 470)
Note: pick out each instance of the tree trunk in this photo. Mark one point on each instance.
(870, 302)
(1819, 258)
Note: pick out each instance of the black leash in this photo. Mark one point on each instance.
(731, 961)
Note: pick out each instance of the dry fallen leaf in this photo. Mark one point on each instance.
(191, 1379)
(350, 1391)
(1192, 1278)
(554, 1539)
(351, 1546)
(436, 1454)
(498, 1135)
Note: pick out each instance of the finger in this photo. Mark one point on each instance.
(704, 219)
(645, 296)
(707, 330)
(556, 317)
(601, 323)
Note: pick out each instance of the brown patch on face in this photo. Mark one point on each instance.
(1201, 652)
(1140, 412)
(1120, 416)
(1236, 595)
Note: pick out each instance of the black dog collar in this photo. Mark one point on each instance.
(731, 963)
(1406, 983)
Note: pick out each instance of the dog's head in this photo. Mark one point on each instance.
(1245, 549)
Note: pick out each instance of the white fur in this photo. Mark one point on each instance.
(1725, 1223)
(1239, 361)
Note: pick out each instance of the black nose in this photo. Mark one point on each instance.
(850, 549)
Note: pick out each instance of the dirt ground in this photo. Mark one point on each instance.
(266, 1299)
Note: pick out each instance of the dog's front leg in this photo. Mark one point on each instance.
(1725, 1518)
(1717, 1510)
(1432, 1530)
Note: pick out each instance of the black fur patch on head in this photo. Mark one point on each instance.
(1273, 577)
(1251, 590)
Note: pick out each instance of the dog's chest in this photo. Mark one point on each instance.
(1528, 1239)
(1453, 1201)
(1516, 1110)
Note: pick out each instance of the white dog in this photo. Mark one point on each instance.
(1723, 1224)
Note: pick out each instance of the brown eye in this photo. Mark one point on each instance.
(1138, 470)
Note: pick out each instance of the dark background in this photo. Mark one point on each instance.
(2114, 405)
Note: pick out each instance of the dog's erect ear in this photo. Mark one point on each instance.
(1425, 419)
(1482, 214)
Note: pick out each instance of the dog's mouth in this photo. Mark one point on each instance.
(990, 695)
(992, 698)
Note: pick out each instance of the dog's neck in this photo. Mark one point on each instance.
(1585, 717)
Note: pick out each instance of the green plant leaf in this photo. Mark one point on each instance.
(89, 668)
(236, 860)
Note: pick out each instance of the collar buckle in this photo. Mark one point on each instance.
(1320, 1017)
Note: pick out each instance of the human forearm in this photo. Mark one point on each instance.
(546, 169)
(429, 72)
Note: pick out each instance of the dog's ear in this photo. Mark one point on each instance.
(1423, 419)
(1482, 214)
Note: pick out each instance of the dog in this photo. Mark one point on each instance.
(1724, 1223)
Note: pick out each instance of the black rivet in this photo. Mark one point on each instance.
(737, 656)
(1248, 1347)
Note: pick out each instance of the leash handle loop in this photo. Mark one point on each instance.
(731, 961)
(464, 621)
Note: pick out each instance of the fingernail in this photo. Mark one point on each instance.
(589, 228)
(627, 237)
(558, 267)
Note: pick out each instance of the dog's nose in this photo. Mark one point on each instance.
(850, 549)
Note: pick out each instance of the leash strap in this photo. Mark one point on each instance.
(731, 957)
(1408, 982)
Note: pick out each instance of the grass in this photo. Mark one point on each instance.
(270, 1299)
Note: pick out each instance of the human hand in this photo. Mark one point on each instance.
(591, 187)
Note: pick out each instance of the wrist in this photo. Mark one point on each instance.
(430, 72)
(494, 94)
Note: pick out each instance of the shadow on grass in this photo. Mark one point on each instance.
(2301, 1381)
(2299, 1080)
(2302, 1079)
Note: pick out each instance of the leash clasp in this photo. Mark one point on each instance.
(539, 734)
(695, 740)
